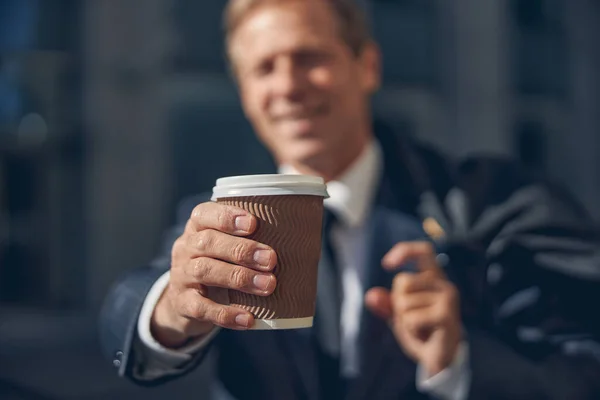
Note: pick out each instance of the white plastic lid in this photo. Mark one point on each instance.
(269, 185)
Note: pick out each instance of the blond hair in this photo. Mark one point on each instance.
(353, 27)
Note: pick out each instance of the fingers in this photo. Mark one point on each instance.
(223, 218)
(426, 313)
(422, 302)
(215, 273)
(422, 253)
(414, 301)
(405, 283)
(241, 251)
(194, 306)
(378, 301)
(421, 322)
(409, 291)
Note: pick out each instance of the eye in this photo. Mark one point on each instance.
(263, 69)
(311, 58)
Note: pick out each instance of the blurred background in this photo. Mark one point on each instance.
(107, 108)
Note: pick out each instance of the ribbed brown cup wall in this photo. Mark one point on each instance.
(291, 225)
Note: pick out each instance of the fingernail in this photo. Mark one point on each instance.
(243, 223)
(262, 282)
(262, 257)
(242, 320)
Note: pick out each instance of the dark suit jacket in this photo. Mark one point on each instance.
(524, 256)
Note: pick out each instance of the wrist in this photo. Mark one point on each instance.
(443, 362)
(435, 368)
(451, 383)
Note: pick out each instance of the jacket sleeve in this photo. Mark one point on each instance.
(538, 330)
(122, 305)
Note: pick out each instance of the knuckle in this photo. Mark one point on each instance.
(240, 251)
(198, 212)
(402, 282)
(221, 316)
(203, 240)
(224, 218)
(398, 304)
(196, 270)
(398, 281)
(200, 269)
(403, 304)
(200, 311)
(238, 278)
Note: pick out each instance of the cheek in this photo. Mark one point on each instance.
(322, 78)
(336, 83)
(253, 103)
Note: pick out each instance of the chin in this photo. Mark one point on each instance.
(305, 152)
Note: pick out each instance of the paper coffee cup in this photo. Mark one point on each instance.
(289, 210)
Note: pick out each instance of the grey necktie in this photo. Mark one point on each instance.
(329, 292)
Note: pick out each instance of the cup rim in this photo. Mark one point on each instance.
(269, 185)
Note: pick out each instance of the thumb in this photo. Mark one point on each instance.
(378, 301)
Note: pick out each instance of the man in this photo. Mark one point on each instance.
(501, 314)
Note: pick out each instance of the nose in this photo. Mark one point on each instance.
(289, 80)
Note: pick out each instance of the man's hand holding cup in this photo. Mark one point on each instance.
(210, 257)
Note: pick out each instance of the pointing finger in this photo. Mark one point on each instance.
(420, 253)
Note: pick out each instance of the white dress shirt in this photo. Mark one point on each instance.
(351, 199)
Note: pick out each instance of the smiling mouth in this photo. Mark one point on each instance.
(301, 115)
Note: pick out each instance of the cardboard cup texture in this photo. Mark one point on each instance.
(290, 223)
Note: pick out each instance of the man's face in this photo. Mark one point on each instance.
(302, 88)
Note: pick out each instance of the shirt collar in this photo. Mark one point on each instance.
(352, 194)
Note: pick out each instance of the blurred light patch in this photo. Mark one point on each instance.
(32, 130)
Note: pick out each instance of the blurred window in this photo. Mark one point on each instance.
(198, 36)
(406, 31)
(539, 47)
(41, 221)
(530, 145)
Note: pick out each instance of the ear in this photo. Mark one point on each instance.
(370, 61)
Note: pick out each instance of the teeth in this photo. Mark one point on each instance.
(298, 118)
